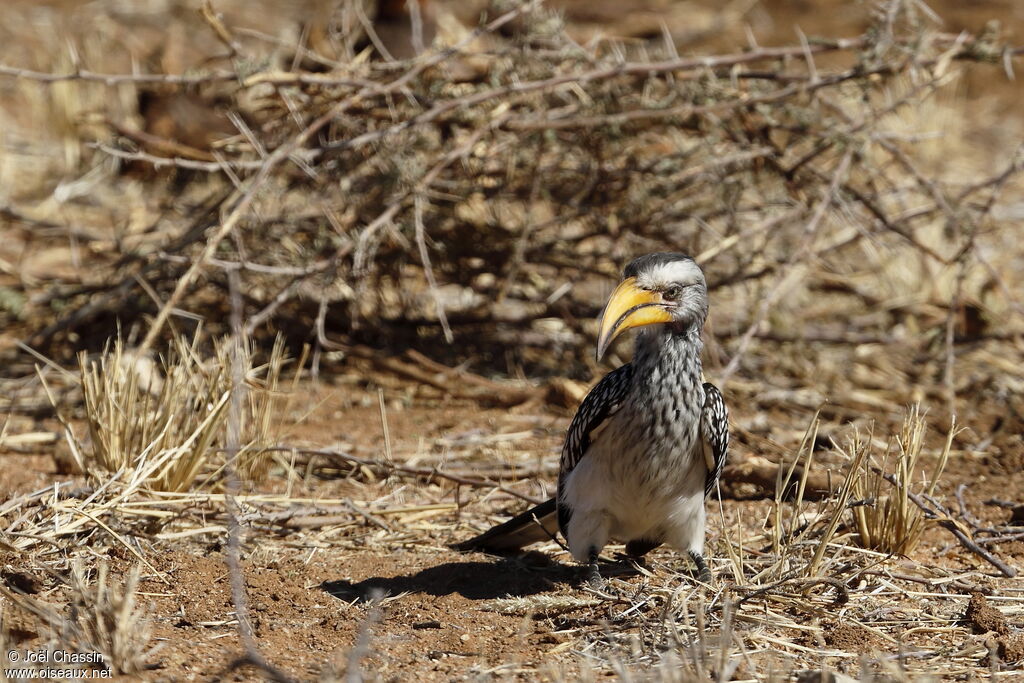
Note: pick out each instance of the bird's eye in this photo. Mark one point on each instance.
(672, 292)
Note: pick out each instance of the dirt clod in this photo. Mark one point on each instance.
(1017, 516)
(849, 638)
(985, 618)
(1011, 648)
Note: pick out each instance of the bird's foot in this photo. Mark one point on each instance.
(601, 587)
(703, 573)
(593, 577)
(592, 574)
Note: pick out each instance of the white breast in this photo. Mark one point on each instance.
(635, 486)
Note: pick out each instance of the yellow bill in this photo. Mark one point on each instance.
(629, 306)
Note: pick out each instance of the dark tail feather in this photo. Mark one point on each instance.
(641, 546)
(517, 532)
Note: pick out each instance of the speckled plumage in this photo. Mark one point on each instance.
(646, 446)
(715, 434)
(639, 473)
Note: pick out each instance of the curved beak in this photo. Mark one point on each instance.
(629, 306)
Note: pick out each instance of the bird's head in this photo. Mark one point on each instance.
(657, 289)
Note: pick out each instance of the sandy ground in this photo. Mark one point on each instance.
(386, 587)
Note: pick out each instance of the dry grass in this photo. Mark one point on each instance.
(109, 619)
(164, 427)
(103, 623)
(770, 612)
(891, 522)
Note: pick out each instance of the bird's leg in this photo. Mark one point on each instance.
(703, 573)
(593, 575)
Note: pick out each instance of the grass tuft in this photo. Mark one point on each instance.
(103, 623)
(163, 425)
(892, 523)
(108, 619)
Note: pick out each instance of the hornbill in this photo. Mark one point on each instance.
(649, 442)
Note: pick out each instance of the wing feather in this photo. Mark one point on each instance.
(714, 428)
(601, 403)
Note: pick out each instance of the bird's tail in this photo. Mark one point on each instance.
(539, 523)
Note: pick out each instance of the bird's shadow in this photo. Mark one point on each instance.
(504, 577)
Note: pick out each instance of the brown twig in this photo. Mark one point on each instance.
(842, 592)
(391, 467)
(233, 552)
(951, 526)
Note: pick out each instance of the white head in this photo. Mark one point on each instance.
(663, 288)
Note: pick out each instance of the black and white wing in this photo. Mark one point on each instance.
(714, 433)
(600, 404)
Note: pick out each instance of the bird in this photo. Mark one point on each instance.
(648, 443)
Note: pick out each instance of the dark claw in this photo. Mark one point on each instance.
(703, 573)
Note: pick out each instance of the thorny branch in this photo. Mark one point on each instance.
(482, 211)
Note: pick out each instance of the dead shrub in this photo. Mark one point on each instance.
(164, 425)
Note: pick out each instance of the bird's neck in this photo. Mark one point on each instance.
(666, 391)
(665, 351)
